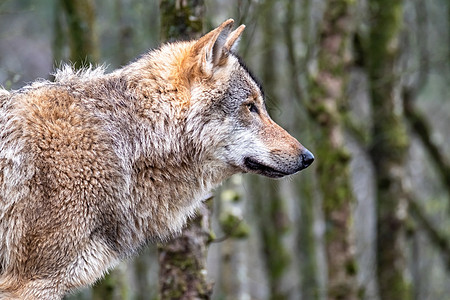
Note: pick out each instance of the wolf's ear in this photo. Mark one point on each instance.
(215, 46)
(233, 39)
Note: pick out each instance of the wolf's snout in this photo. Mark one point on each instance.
(307, 158)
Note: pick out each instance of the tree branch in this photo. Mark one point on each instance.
(417, 120)
(422, 129)
(438, 238)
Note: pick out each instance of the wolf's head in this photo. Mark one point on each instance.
(229, 104)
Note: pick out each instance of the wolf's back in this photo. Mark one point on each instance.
(4, 95)
(4, 117)
(3, 92)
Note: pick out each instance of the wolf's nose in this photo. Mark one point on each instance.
(307, 158)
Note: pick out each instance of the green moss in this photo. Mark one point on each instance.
(182, 262)
(333, 171)
(233, 226)
(352, 267)
(211, 236)
(112, 286)
(8, 85)
(176, 291)
(230, 195)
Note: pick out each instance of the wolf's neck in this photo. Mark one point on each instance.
(169, 168)
(166, 192)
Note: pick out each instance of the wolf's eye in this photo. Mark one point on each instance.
(252, 108)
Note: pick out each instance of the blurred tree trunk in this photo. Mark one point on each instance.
(113, 286)
(306, 241)
(270, 210)
(309, 285)
(417, 120)
(273, 225)
(233, 280)
(327, 106)
(439, 238)
(126, 32)
(83, 42)
(388, 147)
(58, 33)
(182, 272)
(181, 19)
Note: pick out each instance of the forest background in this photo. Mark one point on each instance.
(362, 83)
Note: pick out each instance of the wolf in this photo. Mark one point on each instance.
(94, 165)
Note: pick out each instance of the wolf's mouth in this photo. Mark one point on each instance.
(259, 168)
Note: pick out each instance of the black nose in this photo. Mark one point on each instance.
(307, 158)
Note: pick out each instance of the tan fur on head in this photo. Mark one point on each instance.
(94, 165)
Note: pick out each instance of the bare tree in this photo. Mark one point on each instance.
(388, 147)
(327, 108)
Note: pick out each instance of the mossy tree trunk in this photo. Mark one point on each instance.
(307, 246)
(388, 147)
(58, 33)
(182, 272)
(273, 225)
(233, 280)
(181, 19)
(327, 106)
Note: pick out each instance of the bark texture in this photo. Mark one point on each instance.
(327, 106)
(182, 273)
(388, 147)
